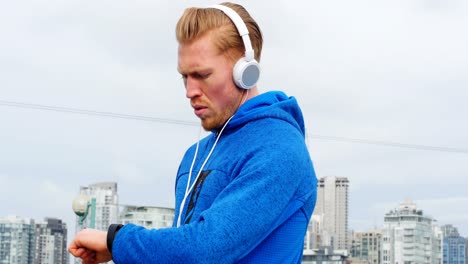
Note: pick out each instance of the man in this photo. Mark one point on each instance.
(245, 193)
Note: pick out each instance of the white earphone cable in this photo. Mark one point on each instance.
(187, 189)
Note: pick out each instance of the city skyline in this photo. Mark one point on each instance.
(153, 216)
(90, 93)
(90, 191)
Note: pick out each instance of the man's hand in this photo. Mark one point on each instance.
(91, 246)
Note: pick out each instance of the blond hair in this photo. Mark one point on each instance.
(196, 22)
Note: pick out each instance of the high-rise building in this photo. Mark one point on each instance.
(147, 216)
(24, 241)
(453, 246)
(449, 230)
(366, 246)
(466, 250)
(312, 238)
(107, 208)
(409, 236)
(331, 211)
(16, 240)
(51, 242)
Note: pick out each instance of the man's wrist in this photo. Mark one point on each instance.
(111, 233)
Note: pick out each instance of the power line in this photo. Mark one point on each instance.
(189, 123)
(391, 144)
(96, 113)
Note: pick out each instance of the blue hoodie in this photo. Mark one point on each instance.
(251, 203)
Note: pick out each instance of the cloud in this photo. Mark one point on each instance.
(389, 71)
(446, 210)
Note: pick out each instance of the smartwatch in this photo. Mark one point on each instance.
(111, 233)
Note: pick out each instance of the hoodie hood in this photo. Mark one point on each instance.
(274, 104)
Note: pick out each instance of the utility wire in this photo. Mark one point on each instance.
(391, 144)
(96, 113)
(182, 122)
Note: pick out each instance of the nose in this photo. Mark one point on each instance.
(192, 87)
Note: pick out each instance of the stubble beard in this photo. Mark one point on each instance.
(217, 121)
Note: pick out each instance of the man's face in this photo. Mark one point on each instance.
(207, 76)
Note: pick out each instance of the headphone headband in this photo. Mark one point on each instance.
(246, 70)
(241, 28)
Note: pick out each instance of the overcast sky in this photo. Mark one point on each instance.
(383, 86)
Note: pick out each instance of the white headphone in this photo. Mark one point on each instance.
(246, 71)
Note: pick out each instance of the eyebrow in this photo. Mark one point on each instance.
(202, 70)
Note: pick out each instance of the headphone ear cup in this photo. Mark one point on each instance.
(246, 73)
